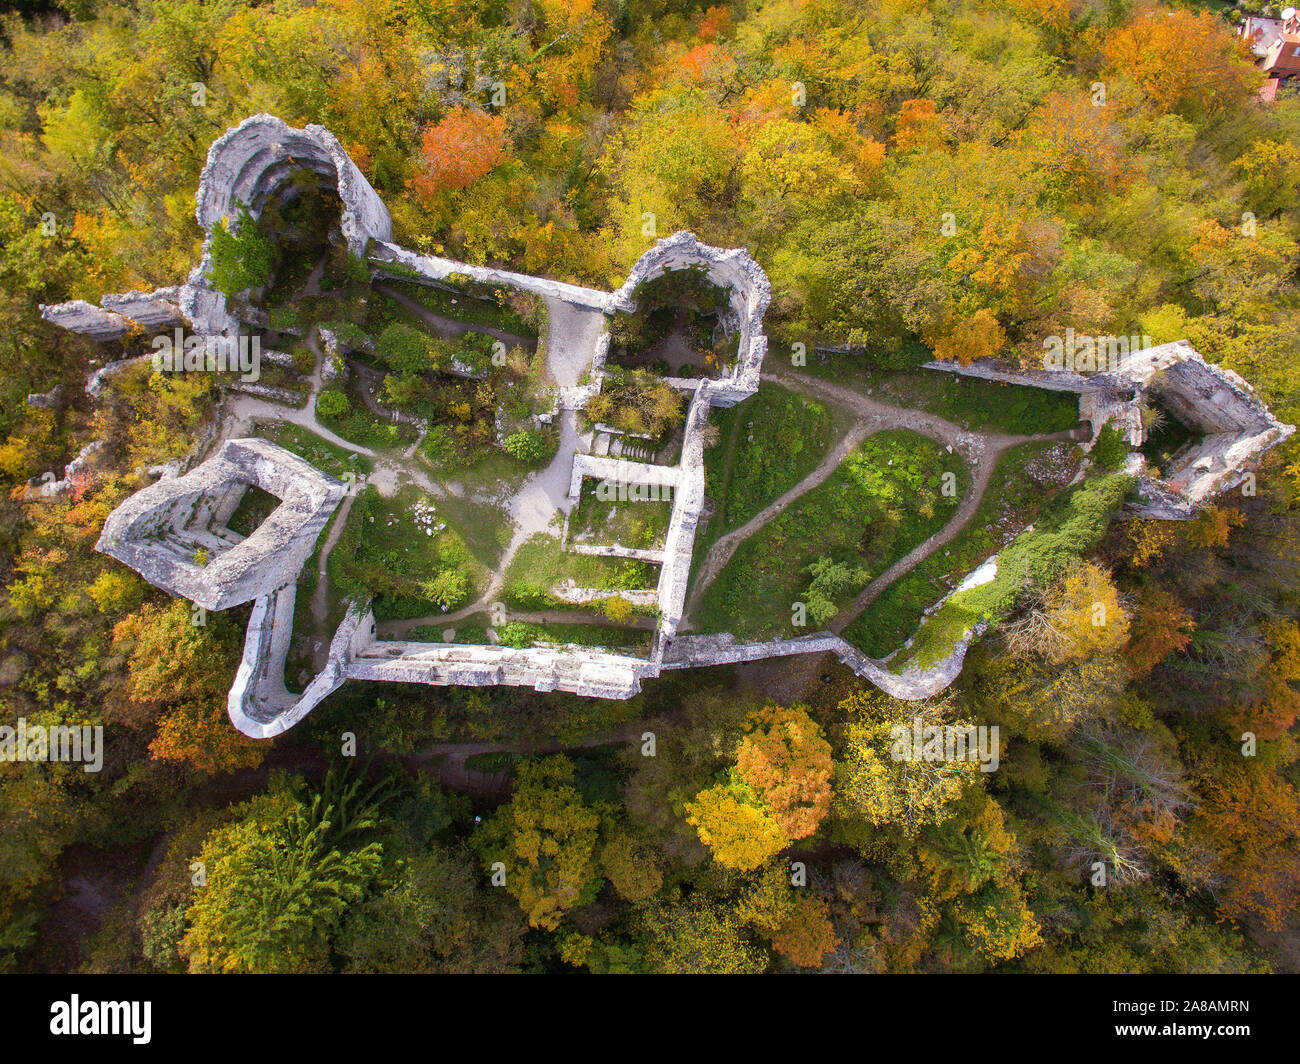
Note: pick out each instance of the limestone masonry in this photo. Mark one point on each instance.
(175, 532)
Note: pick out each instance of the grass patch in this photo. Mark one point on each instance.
(466, 634)
(394, 550)
(255, 506)
(492, 763)
(884, 499)
(486, 308)
(635, 523)
(988, 406)
(326, 456)
(527, 634)
(542, 562)
(780, 437)
(1013, 500)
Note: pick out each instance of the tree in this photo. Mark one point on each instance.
(407, 349)
(432, 917)
(1251, 820)
(448, 589)
(1077, 618)
(1160, 627)
(1182, 61)
(741, 836)
(807, 935)
(831, 580)
(999, 922)
(970, 339)
(242, 259)
(546, 837)
(787, 763)
(201, 735)
(698, 938)
(907, 792)
(631, 866)
(918, 126)
(280, 879)
(459, 149)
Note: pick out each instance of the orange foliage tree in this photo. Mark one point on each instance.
(1182, 61)
(788, 764)
(458, 150)
(1251, 818)
(807, 934)
(1160, 626)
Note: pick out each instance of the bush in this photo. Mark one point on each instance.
(406, 349)
(618, 609)
(332, 404)
(350, 334)
(240, 260)
(527, 446)
(449, 589)
(1110, 451)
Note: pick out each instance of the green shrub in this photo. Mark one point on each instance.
(527, 446)
(332, 404)
(243, 259)
(284, 319)
(1110, 451)
(350, 334)
(406, 349)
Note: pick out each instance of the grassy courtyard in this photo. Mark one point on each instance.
(884, 499)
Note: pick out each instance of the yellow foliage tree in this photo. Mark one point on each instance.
(741, 836)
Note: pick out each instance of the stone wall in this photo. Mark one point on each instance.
(250, 163)
(1238, 429)
(731, 268)
(432, 268)
(158, 529)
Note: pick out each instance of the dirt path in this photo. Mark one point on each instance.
(725, 546)
(572, 333)
(981, 452)
(447, 328)
(319, 598)
(400, 628)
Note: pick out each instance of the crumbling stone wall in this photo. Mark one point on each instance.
(1238, 429)
(155, 531)
(750, 293)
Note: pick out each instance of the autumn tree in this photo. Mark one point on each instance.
(740, 834)
(1182, 61)
(1074, 619)
(886, 782)
(179, 674)
(459, 149)
(1251, 819)
(1160, 627)
(546, 837)
(699, 937)
(807, 935)
(787, 763)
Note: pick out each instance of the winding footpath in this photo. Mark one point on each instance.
(980, 451)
